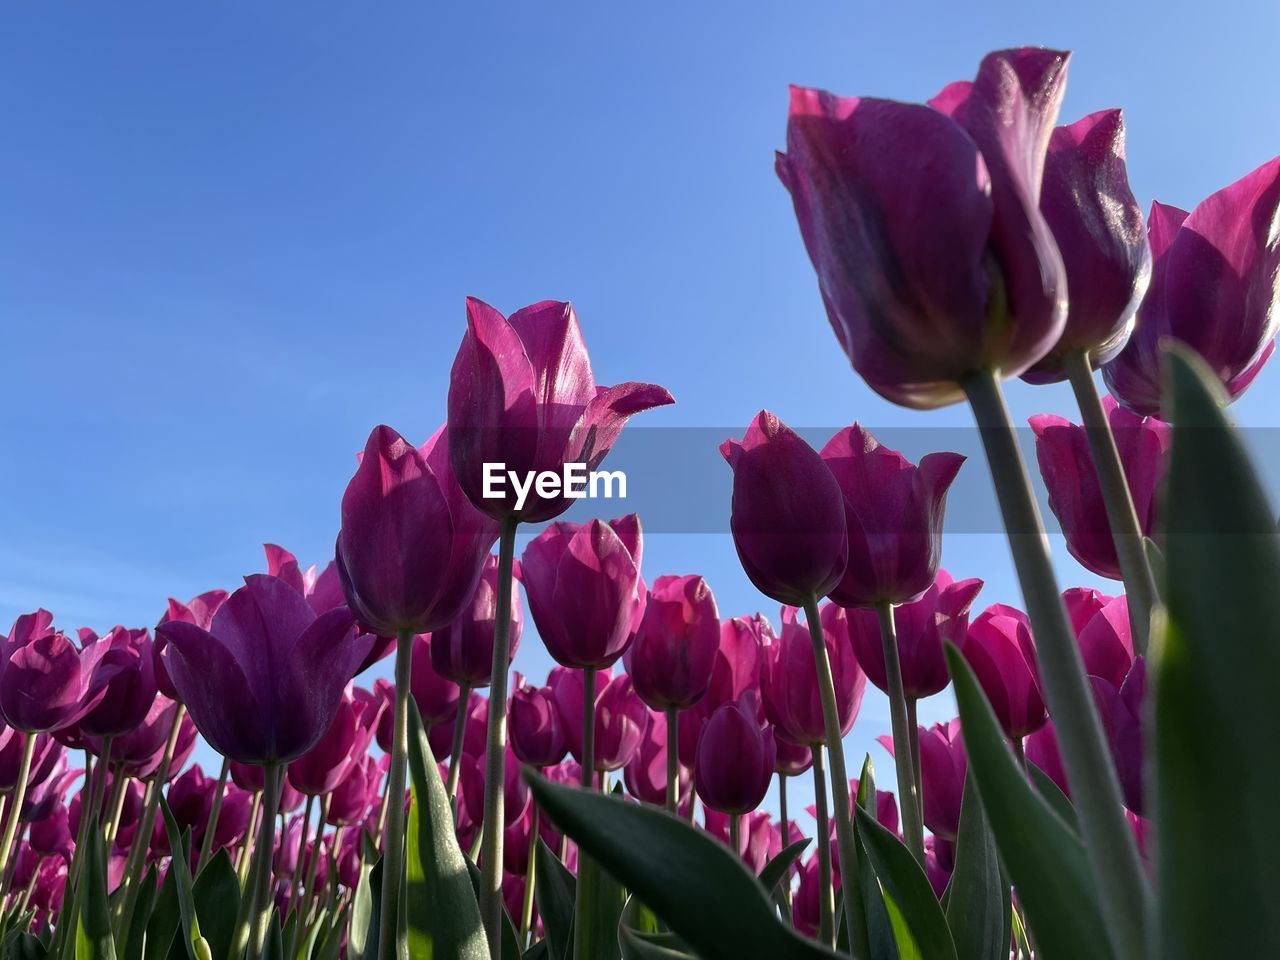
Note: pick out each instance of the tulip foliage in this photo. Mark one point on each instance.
(616, 810)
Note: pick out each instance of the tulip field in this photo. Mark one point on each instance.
(1106, 791)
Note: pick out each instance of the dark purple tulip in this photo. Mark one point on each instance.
(788, 518)
(792, 759)
(515, 790)
(893, 511)
(131, 690)
(139, 746)
(190, 798)
(199, 611)
(536, 733)
(943, 764)
(923, 225)
(674, 651)
(325, 765)
(43, 795)
(233, 818)
(1066, 464)
(463, 650)
(46, 683)
(264, 682)
(790, 678)
(585, 592)
(1098, 226)
(646, 772)
(734, 764)
(924, 627)
(411, 546)
(522, 394)
(50, 836)
(735, 671)
(1000, 649)
(1215, 286)
(939, 864)
(350, 800)
(45, 752)
(435, 695)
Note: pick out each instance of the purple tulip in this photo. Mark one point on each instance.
(788, 518)
(585, 592)
(792, 759)
(131, 690)
(515, 790)
(923, 225)
(1106, 642)
(1098, 227)
(943, 764)
(264, 681)
(350, 800)
(325, 765)
(759, 840)
(939, 864)
(924, 626)
(411, 547)
(646, 772)
(620, 716)
(522, 394)
(435, 695)
(1066, 464)
(999, 648)
(893, 510)
(734, 764)
(790, 677)
(50, 836)
(46, 683)
(1215, 286)
(463, 650)
(735, 671)
(44, 755)
(199, 611)
(674, 651)
(536, 733)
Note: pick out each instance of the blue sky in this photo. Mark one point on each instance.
(236, 236)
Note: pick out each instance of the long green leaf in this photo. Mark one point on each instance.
(775, 871)
(93, 925)
(164, 923)
(1045, 859)
(906, 891)
(1054, 796)
(362, 934)
(179, 844)
(555, 894)
(1216, 660)
(602, 901)
(217, 901)
(880, 935)
(979, 909)
(444, 917)
(641, 937)
(147, 893)
(693, 882)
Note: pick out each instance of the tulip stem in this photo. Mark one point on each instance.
(272, 783)
(455, 754)
(297, 881)
(15, 815)
(1117, 498)
(826, 900)
(913, 733)
(786, 837)
(530, 877)
(588, 782)
(673, 759)
(495, 757)
(393, 838)
(912, 828)
(246, 845)
(215, 812)
(850, 883)
(1122, 886)
(115, 806)
(735, 834)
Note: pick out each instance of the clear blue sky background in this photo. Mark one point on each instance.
(235, 236)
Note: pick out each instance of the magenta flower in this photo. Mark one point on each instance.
(411, 547)
(923, 225)
(734, 764)
(1066, 464)
(1106, 642)
(924, 627)
(759, 840)
(999, 648)
(132, 688)
(793, 759)
(1214, 287)
(46, 683)
(943, 764)
(515, 791)
(264, 681)
(342, 745)
(1098, 227)
(674, 651)
(788, 519)
(199, 611)
(620, 716)
(735, 671)
(522, 394)
(536, 733)
(435, 695)
(893, 511)
(585, 592)
(646, 772)
(790, 678)
(350, 800)
(463, 650)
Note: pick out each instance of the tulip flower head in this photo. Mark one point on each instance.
(462, 651)
(1000, 649)
(924, 226)
(522, 394)
(792, 701)
(200, 611)
(943, 765)
(46, 682)
(734, 764)
(735, 671)
(675, 649)
(537, 736)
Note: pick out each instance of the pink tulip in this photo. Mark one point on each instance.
(674, 651)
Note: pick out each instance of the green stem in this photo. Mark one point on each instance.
(1117, 498)
(115, 807)
(298, 880)
(393, 838)
(850, 882)
(455, 754)
(786, 836)
(272, 777)
(495, 755)
(581, 946)
(215, 812)
(673, 759)
(909, 797)
(826, 900)
(735, 834)
(1121, 883)
(913, 732)
(15, 814)
(309, 875)
(530, 878)
(246, 845)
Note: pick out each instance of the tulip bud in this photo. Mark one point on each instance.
(463, 650)
(792, 700)
(537, 736)
(734, 764)
(671, 659)
(943, 765)
(999, 648)
(620, 716)
(435, 694)
(735, 671)
(645, 774)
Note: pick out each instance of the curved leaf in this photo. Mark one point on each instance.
(602, 901)
(179, 844)
(93, 940)
(775, 871)
(217, 902)
(881, 940)
(362, 934)
(641, 937)
(555, 893)
(1054, 796)
(142, 908)
(1045, 859)
(979, 908)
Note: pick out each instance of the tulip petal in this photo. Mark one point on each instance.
(605, 416)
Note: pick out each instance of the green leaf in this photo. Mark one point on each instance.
(163, 925)
(775, 871)
(979, 908)
(918, 921)
(602, 902)
(510, 938)
(217, 900)
(1215, 661)
(24, 946)
(555, 893)
(641, 937)
(179, 844)
(1044, 857)
(443, 916)
(881, 940)
(694, 883)
(273, 949)
(1054, 796)
(142, 907)
(93, 940)
(538, 951)
(362, 935)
